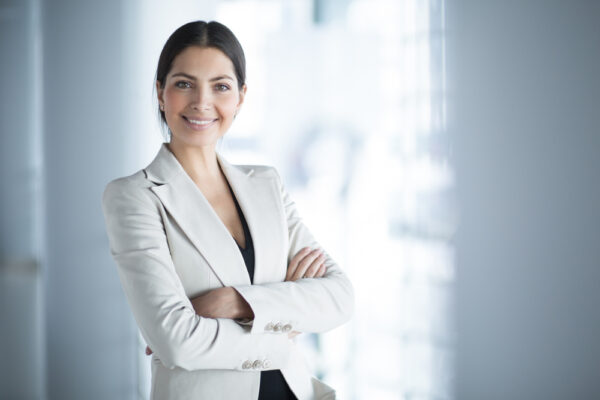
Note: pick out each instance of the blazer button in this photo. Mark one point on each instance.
(277, 327)
(247, 364)
(269, 326)
(267, 363)
(286, 328)
(257, 364)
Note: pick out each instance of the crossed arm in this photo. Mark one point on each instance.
(201, 333)
(226, 302)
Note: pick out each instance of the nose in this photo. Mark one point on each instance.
(202, 98)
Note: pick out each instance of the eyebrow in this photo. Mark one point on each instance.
(190, 77)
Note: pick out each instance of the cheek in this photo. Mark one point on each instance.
(173, 99)
(229, 105)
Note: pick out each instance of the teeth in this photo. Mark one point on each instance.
(193, 121)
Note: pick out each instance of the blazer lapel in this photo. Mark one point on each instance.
(259, 200)
(196, 217)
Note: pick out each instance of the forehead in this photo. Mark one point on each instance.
(202, 61)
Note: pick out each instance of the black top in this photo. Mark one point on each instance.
(272, 384)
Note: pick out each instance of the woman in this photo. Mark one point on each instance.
(216, 264)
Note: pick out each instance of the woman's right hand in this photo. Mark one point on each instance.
(306, 263)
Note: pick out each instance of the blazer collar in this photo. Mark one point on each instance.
(165, 167)
(195, 216)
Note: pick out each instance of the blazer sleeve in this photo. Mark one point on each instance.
(306, 305)
(163, 312)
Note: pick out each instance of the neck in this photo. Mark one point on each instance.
(200, 163)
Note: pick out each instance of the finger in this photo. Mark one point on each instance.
(293, 334)
(321, 271)
(315, 266)
(294, 262)
(305, 263)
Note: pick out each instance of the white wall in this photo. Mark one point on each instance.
(526, 123)
(21, 336)
(90, 335)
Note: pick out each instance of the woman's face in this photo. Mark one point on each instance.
(200, 97)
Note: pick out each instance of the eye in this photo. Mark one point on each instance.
(221, 87)
(183, 84)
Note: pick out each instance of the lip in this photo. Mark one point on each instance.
(198, 127)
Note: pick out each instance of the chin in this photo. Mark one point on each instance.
(191, 140)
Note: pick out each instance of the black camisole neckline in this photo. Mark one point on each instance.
(272, 383)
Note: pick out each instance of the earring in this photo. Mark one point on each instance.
(162, 107)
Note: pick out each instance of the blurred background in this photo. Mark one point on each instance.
(446, 154)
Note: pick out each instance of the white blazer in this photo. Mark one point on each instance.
(170, 246)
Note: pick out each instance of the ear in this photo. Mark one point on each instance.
(241, 99)
(159, 95)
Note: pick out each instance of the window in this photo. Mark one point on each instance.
(347, 99)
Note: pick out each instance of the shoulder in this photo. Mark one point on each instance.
(132, 189)
(127, 185)
(258, 171)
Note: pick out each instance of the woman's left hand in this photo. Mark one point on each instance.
(307, 263)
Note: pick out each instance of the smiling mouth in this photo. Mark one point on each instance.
(199, 122)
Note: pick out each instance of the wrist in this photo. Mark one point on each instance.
(241, 306)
